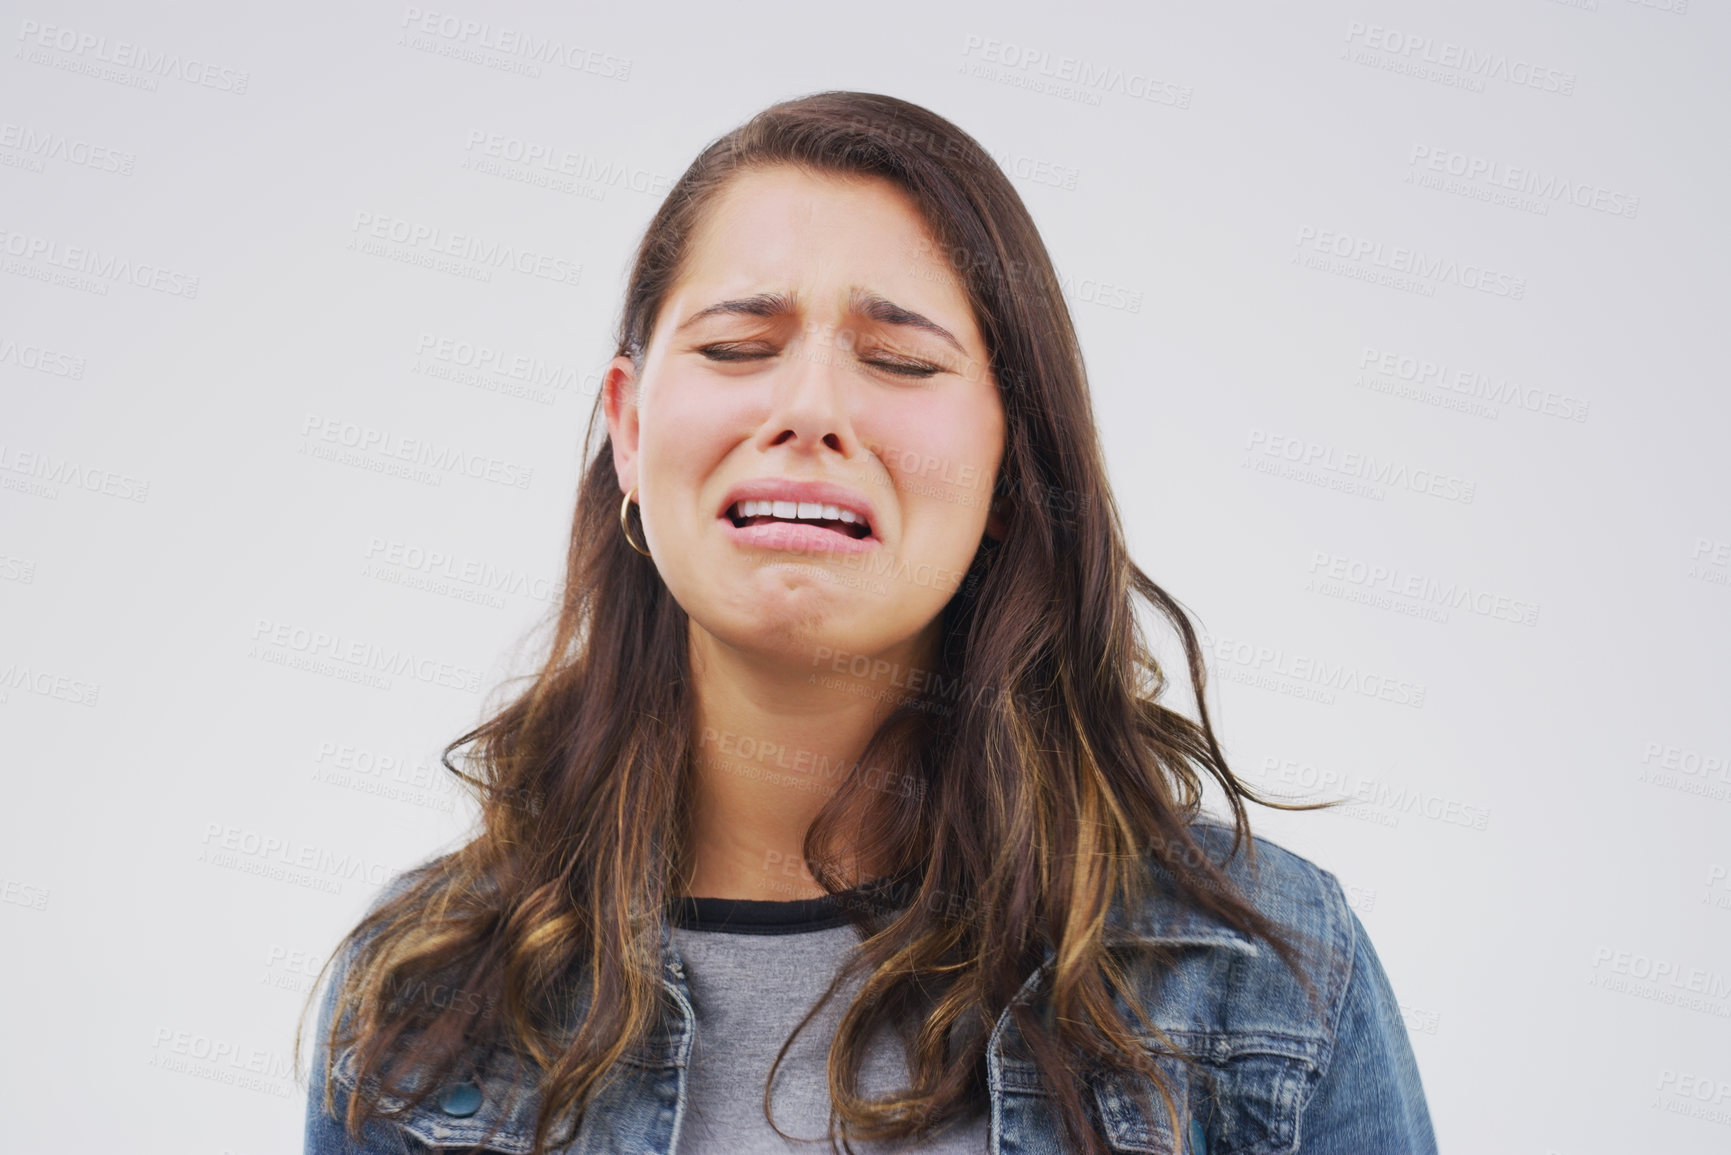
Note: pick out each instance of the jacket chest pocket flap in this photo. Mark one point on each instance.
(1241, 1095)
(487, 1112)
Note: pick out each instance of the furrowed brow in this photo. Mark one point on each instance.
(887, 312)
(760, 305)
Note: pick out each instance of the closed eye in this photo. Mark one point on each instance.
(732, 351)
(904, 368)
(737, 351)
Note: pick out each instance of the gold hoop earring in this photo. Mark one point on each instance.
(625, 522)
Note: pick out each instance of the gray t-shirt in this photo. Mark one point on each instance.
(754, 969)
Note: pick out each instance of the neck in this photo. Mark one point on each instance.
(774, 740)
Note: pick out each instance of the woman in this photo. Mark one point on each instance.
(843, 807)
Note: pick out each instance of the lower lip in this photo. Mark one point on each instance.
(795, 537)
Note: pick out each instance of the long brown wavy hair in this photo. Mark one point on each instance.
(1051, 779)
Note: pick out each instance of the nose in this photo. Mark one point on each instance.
(811, 398)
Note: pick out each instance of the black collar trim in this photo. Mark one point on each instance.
(790, 916)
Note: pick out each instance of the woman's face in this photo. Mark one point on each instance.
(817, 362)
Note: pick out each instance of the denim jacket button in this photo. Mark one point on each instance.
(461, 1100)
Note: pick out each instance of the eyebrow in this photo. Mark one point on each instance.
(889, 313)
(868, 305)
(761, 305)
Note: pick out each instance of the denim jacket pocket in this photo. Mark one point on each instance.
(495, 1108)
(1241, 1093)
(487, 1112)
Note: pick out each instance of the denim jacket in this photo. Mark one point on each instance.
(1271, 1072)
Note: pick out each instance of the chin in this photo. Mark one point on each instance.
(791, 640)
(797, 619)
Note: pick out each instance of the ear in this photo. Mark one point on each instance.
(619, 404)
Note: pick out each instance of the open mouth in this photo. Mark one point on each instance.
(835, 518)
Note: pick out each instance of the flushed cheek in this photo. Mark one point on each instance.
(946, 481)
(946, 478)
(940, 538)
(695, 396)
(942, 490)
(679, 453)
(674, 474)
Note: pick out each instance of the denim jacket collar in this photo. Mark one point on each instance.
(1162, 922)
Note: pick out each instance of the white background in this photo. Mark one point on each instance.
(1539, 838)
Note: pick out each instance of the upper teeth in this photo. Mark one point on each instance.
(798, 510)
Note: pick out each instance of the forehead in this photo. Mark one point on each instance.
(819, 235)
